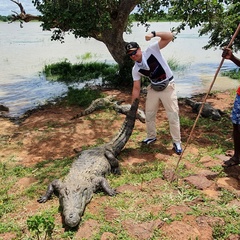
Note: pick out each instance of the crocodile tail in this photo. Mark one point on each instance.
(78, 115)
(119, 141)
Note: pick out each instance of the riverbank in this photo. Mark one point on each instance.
(42, 146)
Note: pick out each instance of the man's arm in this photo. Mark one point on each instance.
(136, 89)
(165, 38)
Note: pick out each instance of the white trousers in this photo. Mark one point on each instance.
(168, 97)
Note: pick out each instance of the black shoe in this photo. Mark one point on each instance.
(149, 140)
(177, 148)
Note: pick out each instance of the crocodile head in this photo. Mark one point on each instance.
(73, 202)
(216, 115)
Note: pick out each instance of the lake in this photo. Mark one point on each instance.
(25, 51)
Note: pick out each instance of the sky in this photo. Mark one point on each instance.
(7, 6)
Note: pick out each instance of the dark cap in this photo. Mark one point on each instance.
(131, 46)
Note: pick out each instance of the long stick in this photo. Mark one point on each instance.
(199, 113)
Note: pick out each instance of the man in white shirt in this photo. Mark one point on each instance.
(152, 64)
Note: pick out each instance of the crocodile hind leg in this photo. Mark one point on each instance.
(113, 162)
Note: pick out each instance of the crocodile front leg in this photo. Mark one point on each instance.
(53, 186)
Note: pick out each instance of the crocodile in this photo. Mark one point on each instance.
(96, 104)
(110, 102)
(207, 111)
(88, 173)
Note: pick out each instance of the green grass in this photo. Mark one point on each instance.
(234, 74)
(175, 65)
(71, 73)
(128, 204)
(82, 97)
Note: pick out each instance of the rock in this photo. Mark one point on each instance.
(4, 108)
(199, 181)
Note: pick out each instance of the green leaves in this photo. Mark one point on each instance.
(218, 19)
(41, 225)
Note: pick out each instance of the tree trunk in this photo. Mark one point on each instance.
(116, 46)
(113, 39)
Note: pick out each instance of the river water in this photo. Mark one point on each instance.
(25, 51)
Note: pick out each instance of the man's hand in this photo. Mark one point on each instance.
(148, 37)
(227, 53)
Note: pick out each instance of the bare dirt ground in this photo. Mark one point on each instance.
(48, 133)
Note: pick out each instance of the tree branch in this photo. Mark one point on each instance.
(23, 16)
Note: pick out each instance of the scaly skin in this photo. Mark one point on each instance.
(87, 173)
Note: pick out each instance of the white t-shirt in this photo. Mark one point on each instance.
(153, 65)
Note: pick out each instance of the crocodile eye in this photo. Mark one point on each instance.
(67, 191)
(76, 191)
(84, 191)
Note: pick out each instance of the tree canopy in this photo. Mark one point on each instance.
(107, 20)
(219, 19)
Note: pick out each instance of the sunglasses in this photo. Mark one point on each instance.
(133, 53)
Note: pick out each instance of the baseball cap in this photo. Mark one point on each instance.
(131, 46)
